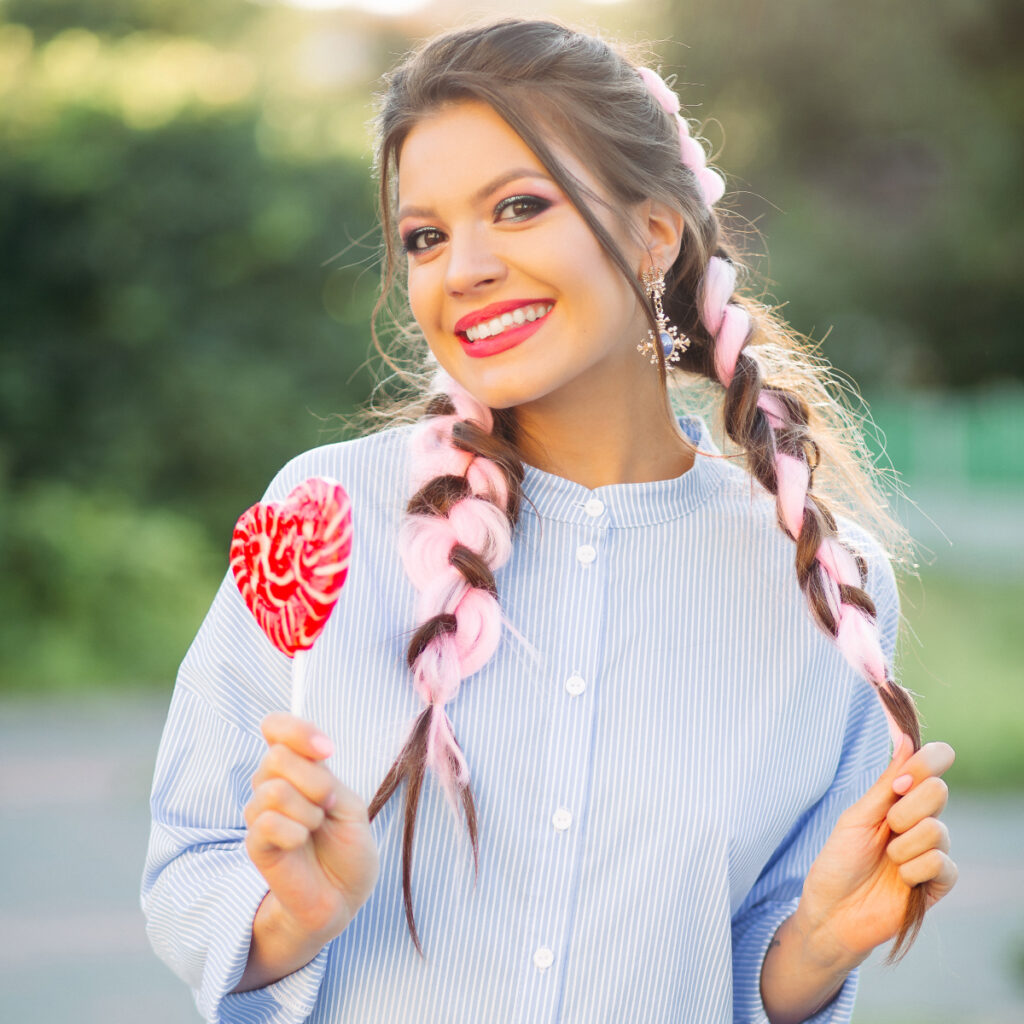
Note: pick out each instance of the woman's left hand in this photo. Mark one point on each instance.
(890, 840)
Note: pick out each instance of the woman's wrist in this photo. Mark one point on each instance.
(820, 946)
(804, 968)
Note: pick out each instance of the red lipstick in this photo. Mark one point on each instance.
(509, 337)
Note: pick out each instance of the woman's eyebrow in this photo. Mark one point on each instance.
(482, 193)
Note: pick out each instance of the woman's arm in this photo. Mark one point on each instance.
(857, 889)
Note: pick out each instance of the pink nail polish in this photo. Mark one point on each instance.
(903, 783)
(321, 744)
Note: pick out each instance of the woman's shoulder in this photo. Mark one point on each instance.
(371, 468)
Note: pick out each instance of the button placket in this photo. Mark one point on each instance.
(568, 763)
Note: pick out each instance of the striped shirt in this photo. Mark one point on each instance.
(656, 761)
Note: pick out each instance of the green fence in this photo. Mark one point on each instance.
(957, 441)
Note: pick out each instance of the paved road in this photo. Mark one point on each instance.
(74, 780)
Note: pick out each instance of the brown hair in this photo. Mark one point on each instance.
(549, 81)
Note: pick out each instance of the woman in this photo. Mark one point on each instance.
(676, 758)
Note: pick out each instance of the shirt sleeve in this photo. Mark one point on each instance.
(776, 892)
(200, 890)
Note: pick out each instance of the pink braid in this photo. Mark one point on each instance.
(426, 542)
(712, 185)
(856, 632)
(450, 547)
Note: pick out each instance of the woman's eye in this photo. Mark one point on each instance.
(520, 207)
(421, 239)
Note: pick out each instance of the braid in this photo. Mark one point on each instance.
(457, 533)
(771, 426)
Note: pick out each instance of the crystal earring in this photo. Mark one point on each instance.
(667, 337)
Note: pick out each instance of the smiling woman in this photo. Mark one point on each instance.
(672, 759)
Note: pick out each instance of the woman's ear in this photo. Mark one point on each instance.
(662, 228)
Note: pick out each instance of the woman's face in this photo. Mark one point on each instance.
(514, 294)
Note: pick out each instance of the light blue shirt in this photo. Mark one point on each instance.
(654, 773)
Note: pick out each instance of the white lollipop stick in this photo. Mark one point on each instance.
(298, 683)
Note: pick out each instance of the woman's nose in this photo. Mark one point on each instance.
(472, 264)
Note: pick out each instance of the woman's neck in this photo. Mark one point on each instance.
(597, 439)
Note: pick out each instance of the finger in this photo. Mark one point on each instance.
(311, 778)
(272, 830)
(927, 800)
(930, 834)
(934, 867)
(301, 736)
(931, 759)
(943, 881)
(280, 796)
(347, 805)
(876, 802)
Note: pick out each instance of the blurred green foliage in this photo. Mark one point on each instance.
(887, 142)
(964, 649)
(166, 334)
(210, 19)
(97, 591)
(177, 182)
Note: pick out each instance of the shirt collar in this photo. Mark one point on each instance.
(553, 497)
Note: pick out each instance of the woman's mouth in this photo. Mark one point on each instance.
(489, 337)
(496, 325)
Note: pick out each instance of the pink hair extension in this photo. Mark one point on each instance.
(450, 559)
(691, 152)
(856, 630)
(426, 543)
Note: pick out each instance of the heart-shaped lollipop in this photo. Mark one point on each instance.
(290, 560)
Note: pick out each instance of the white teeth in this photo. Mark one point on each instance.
(523, 314)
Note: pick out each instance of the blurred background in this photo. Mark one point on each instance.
(188, 260)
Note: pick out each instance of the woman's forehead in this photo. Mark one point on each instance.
(461, 148)
(461, 130)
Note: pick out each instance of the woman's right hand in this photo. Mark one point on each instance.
(309, 835)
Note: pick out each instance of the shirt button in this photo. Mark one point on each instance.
(585, 554)
(575, 685)
(561, 819)
(594, 507)
(543, 958)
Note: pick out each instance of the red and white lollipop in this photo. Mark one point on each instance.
(290, 560)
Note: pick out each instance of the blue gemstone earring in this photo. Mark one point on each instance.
(667, 338)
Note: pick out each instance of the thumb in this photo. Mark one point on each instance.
(874, 805)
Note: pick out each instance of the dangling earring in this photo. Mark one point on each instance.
(667, 338)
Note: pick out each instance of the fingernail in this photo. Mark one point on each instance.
(332, 799)
(903, 783)
(321, 744)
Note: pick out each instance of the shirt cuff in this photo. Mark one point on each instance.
(288, 1001)
(749, 951)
